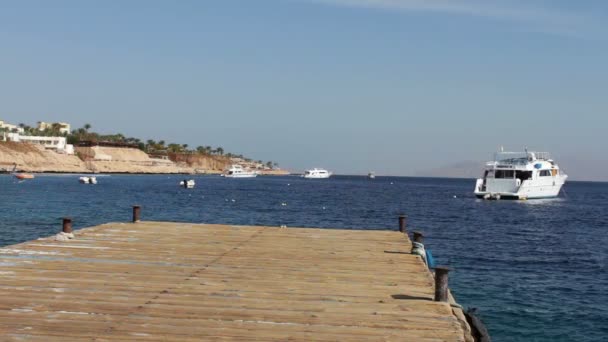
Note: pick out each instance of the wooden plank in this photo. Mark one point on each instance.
(159, 281)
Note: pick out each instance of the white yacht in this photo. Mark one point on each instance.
(520, 175)
(371, 175)
(316, 173)
(237, 171)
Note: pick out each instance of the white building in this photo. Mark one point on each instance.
(63, 126)
(10, 128)
(57, 144)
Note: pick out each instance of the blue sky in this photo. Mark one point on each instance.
(395, 86)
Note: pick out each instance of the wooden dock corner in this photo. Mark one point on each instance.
(159, 281)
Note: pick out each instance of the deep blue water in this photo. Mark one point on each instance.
(535, 269)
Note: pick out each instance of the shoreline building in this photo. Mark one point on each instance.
(57, 144)
(62, 127)
(10, 128)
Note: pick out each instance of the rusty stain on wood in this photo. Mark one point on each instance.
(158, 281)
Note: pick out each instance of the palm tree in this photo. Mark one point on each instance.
(174, 148)
(220, 151)
(55, 128)
(87, 127)
(150, 145)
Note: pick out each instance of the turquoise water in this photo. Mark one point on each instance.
(536, 270)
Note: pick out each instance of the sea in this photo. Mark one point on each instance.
(535, 270)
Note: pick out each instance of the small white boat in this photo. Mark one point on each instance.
(188, 184)
(88, 180)
(316, 174)
(371, 175)
(237, 171)
(520, 175)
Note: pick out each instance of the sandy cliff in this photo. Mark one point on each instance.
(201, 163)
(213, 164)
(126, 160)
(34, 158)
(103, 159)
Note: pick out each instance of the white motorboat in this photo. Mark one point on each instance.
(520, 175)
(237, 171)
(88, 180)
(188, 184)
(371, 175)
(316, 174)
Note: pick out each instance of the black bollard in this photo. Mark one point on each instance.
(136, 213)
(418, 237)
(441, 283)
(402, 223)
(67, 225)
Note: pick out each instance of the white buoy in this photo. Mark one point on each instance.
(283, 204)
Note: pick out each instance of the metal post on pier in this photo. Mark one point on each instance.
(67, 225)
(136, 213)
(402, 223)
(418, 237)
(441, 283)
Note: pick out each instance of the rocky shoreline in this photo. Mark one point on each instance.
(24, 157)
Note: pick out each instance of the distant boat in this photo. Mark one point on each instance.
(188, 184)
(316, 174)
(23, 176)
(520, 175)
(237, 171)
(87, 180)
(371, 175)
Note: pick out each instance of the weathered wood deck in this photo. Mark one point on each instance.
(158, 281)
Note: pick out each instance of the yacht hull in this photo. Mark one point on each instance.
(527, 190)
(241, 176)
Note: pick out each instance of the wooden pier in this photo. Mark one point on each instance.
(159, 281)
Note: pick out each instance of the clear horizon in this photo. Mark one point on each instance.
(395, 87)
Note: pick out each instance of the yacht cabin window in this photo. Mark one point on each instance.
(504, 174)
(544, 173)
(523, 175)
